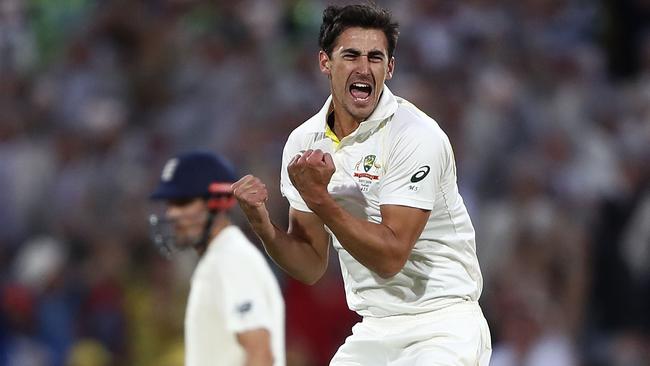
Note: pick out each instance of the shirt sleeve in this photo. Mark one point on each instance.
(246, 305)
(414, 167)
(291, 149)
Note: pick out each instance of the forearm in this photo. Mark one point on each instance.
(258, 358)
(257, 347)
(295, 254)
(296, 257)
(375, 245)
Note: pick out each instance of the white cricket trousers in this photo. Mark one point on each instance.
(455, 335)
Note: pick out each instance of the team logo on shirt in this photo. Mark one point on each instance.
(366, 170)
(368, 161)
(244, 307)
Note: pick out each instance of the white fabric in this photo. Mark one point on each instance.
(455, 335)
(442, 268)
(549, 349)
(233, 290)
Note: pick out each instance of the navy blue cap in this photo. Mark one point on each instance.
(189, 175)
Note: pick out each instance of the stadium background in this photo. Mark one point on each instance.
(546, 102)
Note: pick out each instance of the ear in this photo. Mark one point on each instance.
(391, 68)
(324, 63)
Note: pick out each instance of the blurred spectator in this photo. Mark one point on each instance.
(40, 266)
(86, 352)
(19, 342)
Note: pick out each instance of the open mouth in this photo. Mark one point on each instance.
(360, 91)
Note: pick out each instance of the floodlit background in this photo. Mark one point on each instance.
(546, 103)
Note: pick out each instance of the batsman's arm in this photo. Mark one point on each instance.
(302, 251)
(257, 347)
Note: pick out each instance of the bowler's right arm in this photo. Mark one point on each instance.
(302, 251)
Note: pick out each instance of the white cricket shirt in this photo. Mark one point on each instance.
(398, 156)
(233, 290)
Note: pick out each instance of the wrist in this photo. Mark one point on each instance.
(322, 205)
(258, 217)
(316, 199)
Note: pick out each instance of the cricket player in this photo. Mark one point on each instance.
(235, 310)
(377, 177)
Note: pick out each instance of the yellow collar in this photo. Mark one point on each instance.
(329, 133)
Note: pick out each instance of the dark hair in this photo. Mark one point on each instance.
(337, 19)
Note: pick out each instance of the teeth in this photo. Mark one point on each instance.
(361, 85)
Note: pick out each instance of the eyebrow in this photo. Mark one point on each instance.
(356, 52)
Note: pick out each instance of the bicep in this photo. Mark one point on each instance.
(406, 223)
(309, 228)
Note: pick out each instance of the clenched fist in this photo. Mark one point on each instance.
(251, 194)
(311, 172)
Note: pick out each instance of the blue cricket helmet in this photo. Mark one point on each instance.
(191, 174)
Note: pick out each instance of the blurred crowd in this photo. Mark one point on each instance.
(546, 103)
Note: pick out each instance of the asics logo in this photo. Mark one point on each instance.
(420, 174)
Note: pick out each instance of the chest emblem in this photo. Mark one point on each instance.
(366, 171)
(368, 161)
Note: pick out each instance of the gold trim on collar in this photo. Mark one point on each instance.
(329, 133)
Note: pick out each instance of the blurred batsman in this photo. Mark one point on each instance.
(377, 177)
(235, 310)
